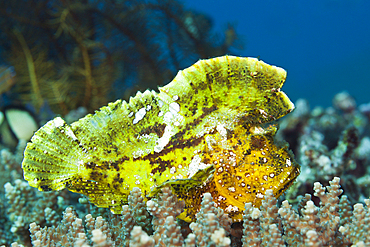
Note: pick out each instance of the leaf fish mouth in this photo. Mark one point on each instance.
(290, 110)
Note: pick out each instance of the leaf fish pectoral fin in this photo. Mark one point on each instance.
(189, 190)
(183, 186)
(99, 194)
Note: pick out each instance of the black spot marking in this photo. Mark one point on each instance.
(157, 129)
(45, 188)
(163, 165)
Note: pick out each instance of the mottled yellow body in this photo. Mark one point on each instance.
(204, 131)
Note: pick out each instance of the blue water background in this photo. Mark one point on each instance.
(323, 44)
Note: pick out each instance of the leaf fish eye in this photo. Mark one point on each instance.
(257, 142)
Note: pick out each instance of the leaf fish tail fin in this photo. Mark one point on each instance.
(49, 161)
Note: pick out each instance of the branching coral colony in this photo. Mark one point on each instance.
(332, 223)
(203, 132)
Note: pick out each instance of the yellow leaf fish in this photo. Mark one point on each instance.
(203, 132)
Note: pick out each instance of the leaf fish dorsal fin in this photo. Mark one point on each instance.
(234, 84)
(173, 137)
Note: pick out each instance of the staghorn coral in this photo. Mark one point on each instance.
(99, 232)
(10, 168)
(323, 220)
(139, 238)
(22, 211)
(209, 228)
(21, 205)
(332, 223)
(137, 205)
(262, 227)
(356, 230)
(311, 225)
(165, 206)
(65, 234)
